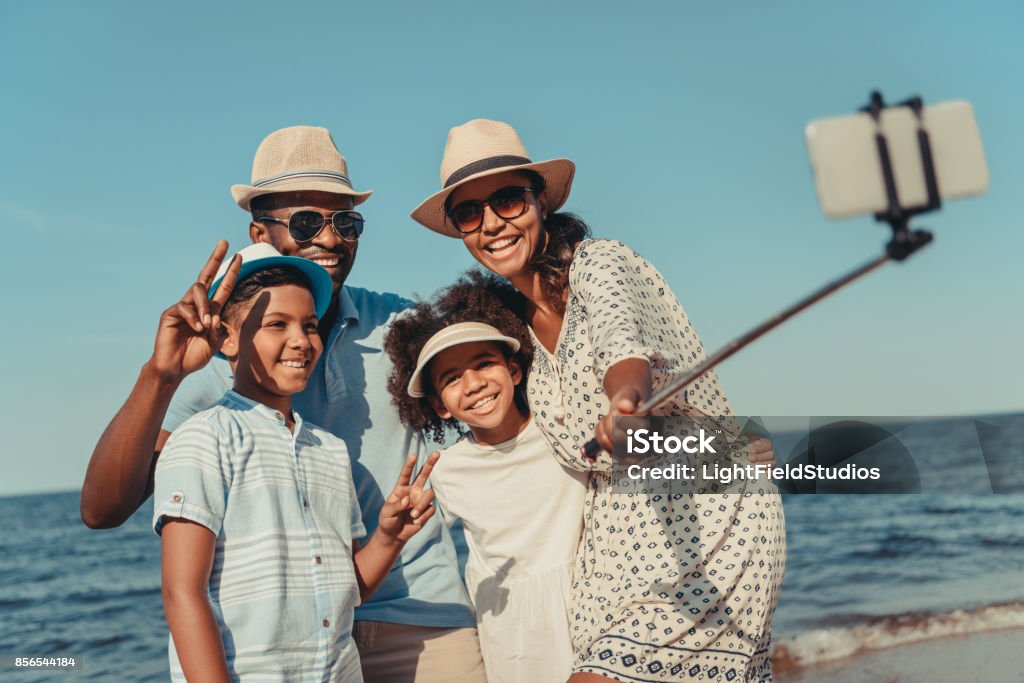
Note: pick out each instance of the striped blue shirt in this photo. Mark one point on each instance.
(347, 395)
(284, 510)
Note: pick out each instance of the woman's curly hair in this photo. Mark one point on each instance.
(475, 297)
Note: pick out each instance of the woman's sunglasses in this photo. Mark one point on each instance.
(305, 225)
(508, 203)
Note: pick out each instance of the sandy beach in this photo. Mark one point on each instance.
(981, 657)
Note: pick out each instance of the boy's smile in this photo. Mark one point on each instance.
(475, 383)
(275, 346)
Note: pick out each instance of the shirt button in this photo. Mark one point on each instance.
(176, 498)
(278, 415)
(326, 623)
(319, 560)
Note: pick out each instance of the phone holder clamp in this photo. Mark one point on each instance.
(904, 240)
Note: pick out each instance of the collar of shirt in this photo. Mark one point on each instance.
(260, 410)
(347, 308)
(347, 313)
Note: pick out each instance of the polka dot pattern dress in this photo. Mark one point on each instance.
(669, 585)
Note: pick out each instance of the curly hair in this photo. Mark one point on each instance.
(475, 297)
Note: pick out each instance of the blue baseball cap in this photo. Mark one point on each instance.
(260, 256)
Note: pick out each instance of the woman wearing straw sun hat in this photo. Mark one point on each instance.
(683, 587)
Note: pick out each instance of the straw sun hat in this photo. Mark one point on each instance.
(482, 148)
(297, 159)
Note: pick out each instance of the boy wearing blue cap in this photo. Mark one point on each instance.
(259, 519)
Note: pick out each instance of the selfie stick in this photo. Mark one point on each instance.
(904, 242)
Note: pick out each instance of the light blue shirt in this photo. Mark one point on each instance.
(283, 508)
(347, 395)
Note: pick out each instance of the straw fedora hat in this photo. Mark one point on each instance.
(296, 159)
(481, 148)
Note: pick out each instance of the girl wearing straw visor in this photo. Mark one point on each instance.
(682, 586)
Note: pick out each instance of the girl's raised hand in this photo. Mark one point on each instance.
(408, 507)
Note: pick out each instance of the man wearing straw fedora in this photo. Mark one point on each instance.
(418, 626)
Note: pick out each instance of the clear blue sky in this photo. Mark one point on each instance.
(125, 124)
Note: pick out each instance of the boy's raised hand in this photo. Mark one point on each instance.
(408, 507)
(190, 331)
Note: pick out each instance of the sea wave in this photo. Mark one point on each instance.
(822, 645)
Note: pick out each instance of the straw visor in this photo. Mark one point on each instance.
(482, 148)
(453, 335)
(261, 256)
(297, 159)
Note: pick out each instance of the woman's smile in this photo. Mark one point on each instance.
(503, 246)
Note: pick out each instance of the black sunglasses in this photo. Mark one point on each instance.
(305, 225)
(508, 203)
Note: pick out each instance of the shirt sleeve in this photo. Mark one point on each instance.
(197, 392)
(629, 307)
(190, 481)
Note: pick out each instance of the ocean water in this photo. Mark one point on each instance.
(864, 572)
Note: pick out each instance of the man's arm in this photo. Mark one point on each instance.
(120, 473)
(188, 550)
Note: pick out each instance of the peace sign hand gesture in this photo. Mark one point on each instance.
(190, 331)
(408, 507)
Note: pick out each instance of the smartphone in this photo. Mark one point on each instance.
(848, 171)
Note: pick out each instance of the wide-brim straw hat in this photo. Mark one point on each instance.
(297, 159)
(481, 148)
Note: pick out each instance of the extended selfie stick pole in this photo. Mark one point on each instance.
(904, 243)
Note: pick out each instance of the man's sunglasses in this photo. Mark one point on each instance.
(305, 225)
(508, 203)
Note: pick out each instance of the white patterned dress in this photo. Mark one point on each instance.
(666, 587)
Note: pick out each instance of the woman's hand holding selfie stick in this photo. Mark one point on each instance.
(630, 411)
